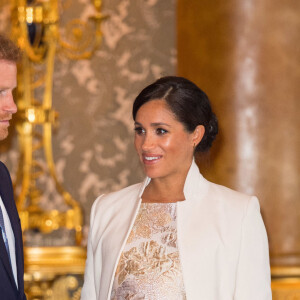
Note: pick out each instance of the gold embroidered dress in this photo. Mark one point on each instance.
(149, 267)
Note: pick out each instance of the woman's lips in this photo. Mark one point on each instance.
(151, 159)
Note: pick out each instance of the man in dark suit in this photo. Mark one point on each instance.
(11, 244)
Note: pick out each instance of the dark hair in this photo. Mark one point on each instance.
(8, 50)
(189, 104)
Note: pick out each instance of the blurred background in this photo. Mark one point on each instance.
(244, 54)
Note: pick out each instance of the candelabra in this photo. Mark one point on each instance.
(36, 27)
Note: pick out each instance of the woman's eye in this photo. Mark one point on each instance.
(139, 130)
(161, 131)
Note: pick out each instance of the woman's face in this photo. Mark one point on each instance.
(164, 147)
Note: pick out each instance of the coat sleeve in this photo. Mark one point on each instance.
(253, 272)
(89, 289)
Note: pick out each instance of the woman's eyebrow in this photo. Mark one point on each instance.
(155, 124)
(159, 124)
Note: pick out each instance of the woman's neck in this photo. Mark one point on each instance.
(164, 191)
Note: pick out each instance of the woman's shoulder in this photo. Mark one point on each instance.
(232, 199)
(111, 206)
(219, 189)
(215, 194)
(116, 198)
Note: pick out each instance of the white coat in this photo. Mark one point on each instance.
(221, 238)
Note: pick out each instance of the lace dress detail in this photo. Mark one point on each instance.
(149, 267)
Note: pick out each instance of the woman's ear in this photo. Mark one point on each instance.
(198, 134)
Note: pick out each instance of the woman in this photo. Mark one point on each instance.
(176, 235)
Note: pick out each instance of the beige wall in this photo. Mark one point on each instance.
(245, 55)
(92, 146)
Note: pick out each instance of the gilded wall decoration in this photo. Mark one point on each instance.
(92, 145)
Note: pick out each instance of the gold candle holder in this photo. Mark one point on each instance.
(36, 28)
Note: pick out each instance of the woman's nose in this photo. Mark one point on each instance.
(148, 142)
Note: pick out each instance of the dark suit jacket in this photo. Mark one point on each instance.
(8, 288)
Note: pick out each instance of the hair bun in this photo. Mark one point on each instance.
(211, 131)
(213, 125)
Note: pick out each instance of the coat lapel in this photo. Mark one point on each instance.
(6, 193)
(5, 259)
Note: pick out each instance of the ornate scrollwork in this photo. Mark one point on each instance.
(286, 283)
(36, 28)
(53, 273)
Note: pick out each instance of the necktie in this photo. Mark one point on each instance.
(2, 226)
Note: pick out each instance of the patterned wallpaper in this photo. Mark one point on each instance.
(93, 144)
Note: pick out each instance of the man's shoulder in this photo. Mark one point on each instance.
(5, 179)
(3, 166)
(3, 170)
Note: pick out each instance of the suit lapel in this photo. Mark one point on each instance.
(5, 259)
(6, 193)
